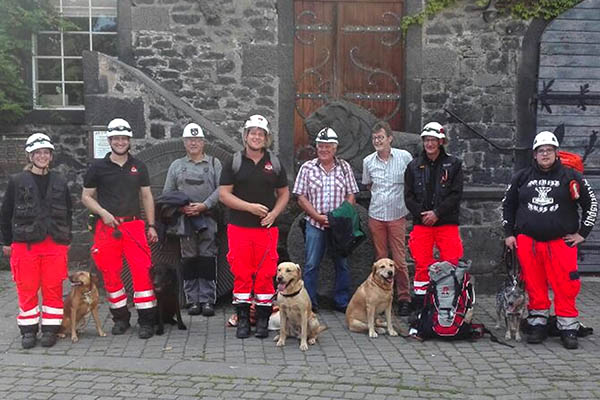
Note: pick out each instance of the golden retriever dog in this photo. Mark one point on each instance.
(373, 297)
(82, 300)
(295, 309)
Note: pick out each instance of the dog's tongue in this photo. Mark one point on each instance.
(281, 287)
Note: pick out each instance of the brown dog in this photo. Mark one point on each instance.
(373, 297)
(295, 309)
(82, 300)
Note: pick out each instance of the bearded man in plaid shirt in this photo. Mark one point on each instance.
(322, 185)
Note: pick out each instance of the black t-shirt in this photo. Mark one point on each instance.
(118, 188)
(254, 183)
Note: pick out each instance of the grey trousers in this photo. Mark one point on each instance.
(200, 251)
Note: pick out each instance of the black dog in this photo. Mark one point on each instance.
(166, 288)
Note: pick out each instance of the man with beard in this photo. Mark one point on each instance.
(112, 190)
(254, 186)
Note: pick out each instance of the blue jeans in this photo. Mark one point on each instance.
(316, 242)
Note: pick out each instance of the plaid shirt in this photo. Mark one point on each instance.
(326, 191)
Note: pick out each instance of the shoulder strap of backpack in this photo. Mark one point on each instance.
(237, 162)
(275, 162)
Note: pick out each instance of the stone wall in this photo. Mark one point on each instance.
(470, 67)
(214, 55)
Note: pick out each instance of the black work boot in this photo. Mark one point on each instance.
(147, 318)
(120, 317)
(537, 334)
(569, 339)
(48, 339)
(243, 324)
(262, 321)
(28, 340)
(120, 327)
(403, 308)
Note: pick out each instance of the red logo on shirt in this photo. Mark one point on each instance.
(134, 170)
(269, 167)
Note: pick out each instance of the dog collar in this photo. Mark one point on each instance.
(378, 284)
(293, 294)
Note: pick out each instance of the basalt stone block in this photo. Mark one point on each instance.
(150, 18)
(162, 44)
(196, 32)
(157, 131)
(186, 19)
(189, 51)
(178, 64)
(99, 110)
(253, 60)
(439, 62)
(225, 66)
(169, 74)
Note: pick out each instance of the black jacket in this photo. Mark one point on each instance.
(434, 185)
(541, 204)
(28, 215)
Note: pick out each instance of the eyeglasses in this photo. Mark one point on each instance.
(545, 151)
(379, 138)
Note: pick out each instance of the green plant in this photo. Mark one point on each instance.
(20, 19)
(521, 9)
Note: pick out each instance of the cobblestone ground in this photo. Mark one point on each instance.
(207, 361)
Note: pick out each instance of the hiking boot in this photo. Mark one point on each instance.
(569, 339)
(29, 340)
(48, 339)
(403, 309)
(243, 323)
(208, 310)
(146, 331)
(262, 321)
(537, 334)
(195, 309)
(120, 327)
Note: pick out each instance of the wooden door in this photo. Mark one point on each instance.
(348, 50)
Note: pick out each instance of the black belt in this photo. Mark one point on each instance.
(126, 219)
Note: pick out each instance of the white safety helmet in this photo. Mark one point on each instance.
(257, 121)
(544, 138)
(119, 127)
(193, 130)
(38, 141)
(434, 129)
(327, 135)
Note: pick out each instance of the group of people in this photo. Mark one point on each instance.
(541, 221)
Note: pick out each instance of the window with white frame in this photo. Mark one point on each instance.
(57, 55)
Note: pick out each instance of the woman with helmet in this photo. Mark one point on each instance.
(35, 221)
(541, 220)
(433, 186)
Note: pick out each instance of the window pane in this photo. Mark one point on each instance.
(49, 69)
(76, 11)
(104, 3)
(75, 3)
(77, 24)
(76, 43)
(74, 94)
(104, 24)
(49, 94)
(48, 44)
(106, 44)
(73, 70)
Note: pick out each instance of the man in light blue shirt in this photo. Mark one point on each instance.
(383, 173)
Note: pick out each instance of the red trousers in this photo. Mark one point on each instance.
(34, 266)
(553, 262)
(421, 242)
(253, 260)
(391, 235)
(108, 251)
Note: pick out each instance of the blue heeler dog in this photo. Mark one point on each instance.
(511, 304)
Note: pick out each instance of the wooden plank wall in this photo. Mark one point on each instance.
(570, 54)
